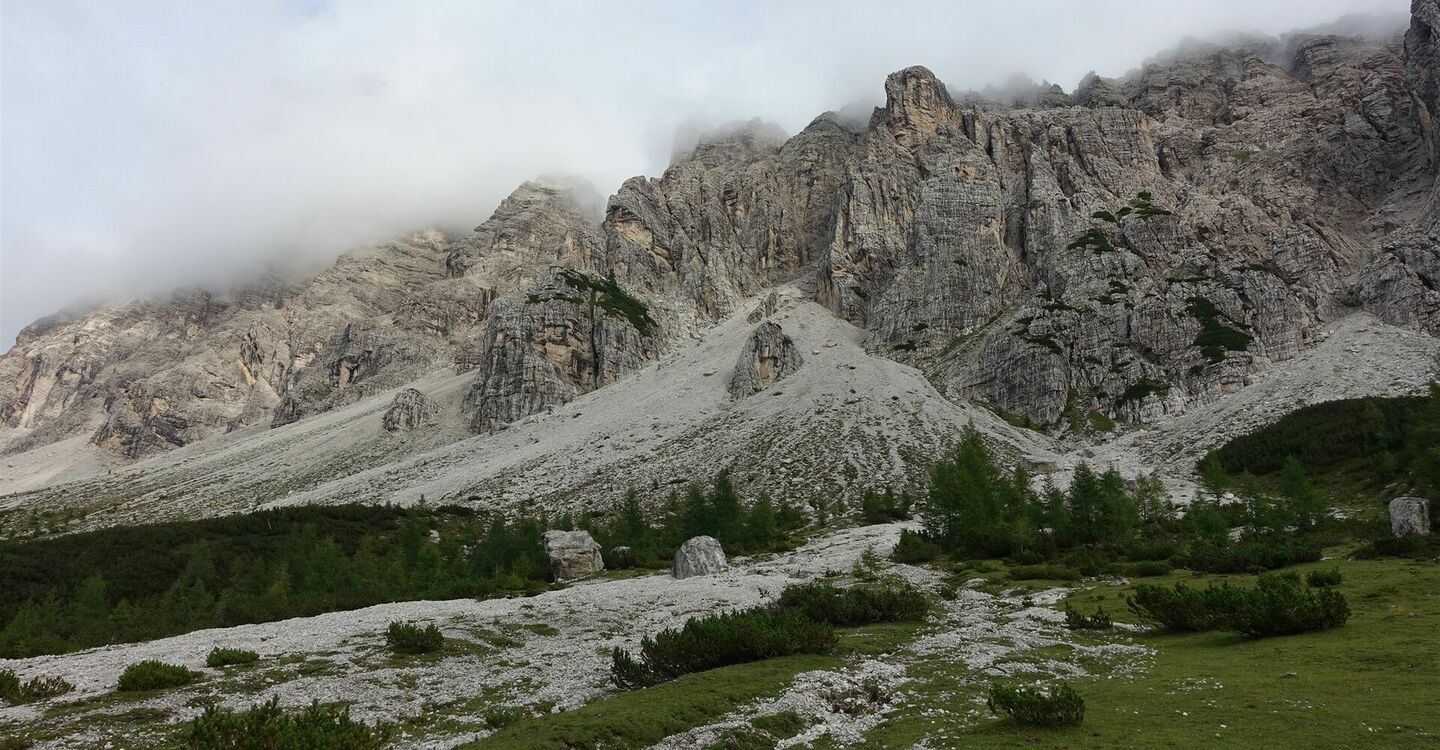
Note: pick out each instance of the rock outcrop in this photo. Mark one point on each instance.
(1132, 251)
(699, 556)
(1410, 516)
(573, 554)
(409, 410)
(768, 356)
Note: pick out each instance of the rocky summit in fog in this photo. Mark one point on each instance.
(1135, 251)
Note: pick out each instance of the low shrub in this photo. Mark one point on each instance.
(1324, 578)
(408, 638)
(884, 508)
(1250, 555)
(225, 657)
(266, 726)
(1100, 620)
(1186, 609)
(858, 605)
(1280, 605)
(502, 716)
(1029, 707)
(15, 692)
(1044, 572)
(620, 558)
(1147, 568)
(914, 548)
(154, 675)
(718, 640)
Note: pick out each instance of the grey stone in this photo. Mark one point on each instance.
(409, 410)
(1410, 516)
(573, 554)
(699, 556)
(768, 356)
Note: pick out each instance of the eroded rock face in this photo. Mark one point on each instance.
(573, 554)
(768, 356)
(409, 410)
(1410, 516)
(699, 556)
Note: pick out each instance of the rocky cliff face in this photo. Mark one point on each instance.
(1132, 249)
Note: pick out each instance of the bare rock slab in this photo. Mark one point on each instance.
(768, 356)
(573, 554)
(700, 556)
(410, 410)
(1410, 516)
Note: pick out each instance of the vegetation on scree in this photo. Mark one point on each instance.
(1029, 707)
(154, 675)
(409, 638)
(266, 726)
(15, 692)
(229, 657)
(802, 621)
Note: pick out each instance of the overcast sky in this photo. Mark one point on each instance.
(145, 145)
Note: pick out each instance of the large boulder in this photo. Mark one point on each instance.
(1410, 516)
(699, 556)
(573, 554)
(410, 410)
(768, 356)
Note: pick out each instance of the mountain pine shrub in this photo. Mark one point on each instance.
(1030, 707)
(225, 657)
(154, 675)
(266, 726)
(408, 638)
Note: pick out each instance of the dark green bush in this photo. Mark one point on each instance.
(1280, 605)
(13, 691)
(858, 605)
(914, 548)
(1250, 554)
(502, 716)
(224, 657)
(1100, 620)
(1146, 568)
(1044, 572)
(884, 507)
(268, 727)
(1029, 707)
(408, 638)
(718, 640)
(1324, 578)
(154, 675)
(1184, 609)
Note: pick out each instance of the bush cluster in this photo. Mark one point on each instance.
(154, 675)
(1044, 572)
(1324, 578)
(225, 657)
(15, 692)
(893, 601)
(1250, 554)
(1276, 605)
(914, 548)
(408, 638)
(884, 507)
(1029, 707)
(266, 726)
(718, 640)
(1074, 620)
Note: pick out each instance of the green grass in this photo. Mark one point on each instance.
(639, 718)
(1370, 683)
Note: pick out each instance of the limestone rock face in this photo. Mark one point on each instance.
(768, 356)
(1136, 249)
(699, 556)
(1410, 516)
(573, 554)
(410, 410)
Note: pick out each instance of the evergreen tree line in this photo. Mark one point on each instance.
(976, 509)
(274, 566)
(718, 513)
(143, 582)
(1380, 440)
